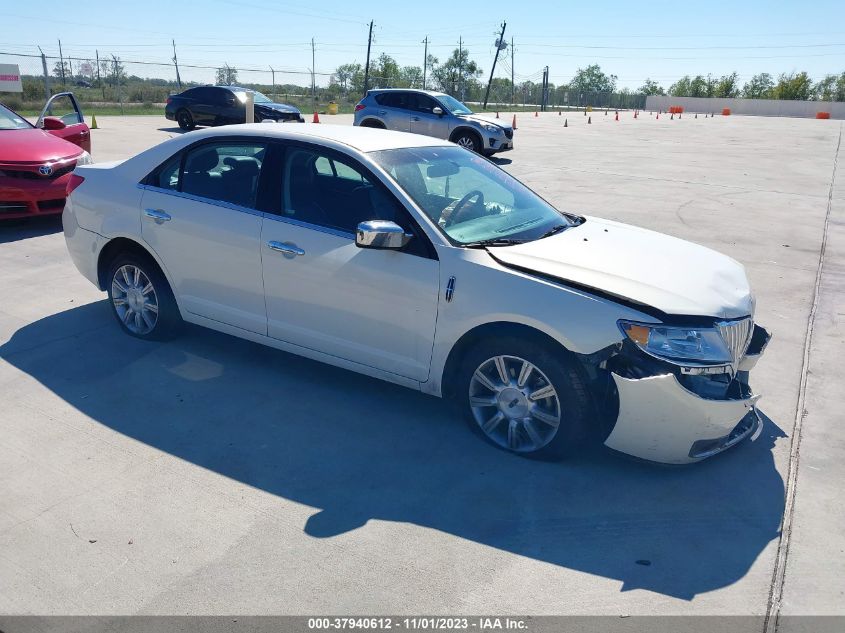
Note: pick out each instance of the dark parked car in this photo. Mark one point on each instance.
(222, 105)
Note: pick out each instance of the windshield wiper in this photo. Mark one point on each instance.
(496, 241)
(555, 229)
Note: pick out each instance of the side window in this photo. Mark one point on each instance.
(328, 191)
(423, 103)
(63, 108)
(392, 99)
(167, 176)
(227, 172)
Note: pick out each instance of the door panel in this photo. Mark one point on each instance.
(212, 255)
(374, 307)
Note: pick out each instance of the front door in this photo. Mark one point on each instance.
(374, 307)
(63, 106)
(423, 119)
(199, 215)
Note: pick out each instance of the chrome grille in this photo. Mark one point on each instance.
(737, 336)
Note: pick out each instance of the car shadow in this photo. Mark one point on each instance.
(358, 448)
(25, 228)
(174, 130)
(500, 161)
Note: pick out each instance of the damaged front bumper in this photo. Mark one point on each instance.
(667, 416)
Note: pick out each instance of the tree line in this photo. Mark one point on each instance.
(795, 86)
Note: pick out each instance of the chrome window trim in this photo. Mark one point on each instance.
(194, 198)
(307, 225)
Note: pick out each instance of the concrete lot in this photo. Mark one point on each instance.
(211, 475)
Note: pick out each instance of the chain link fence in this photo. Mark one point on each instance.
(126, 85)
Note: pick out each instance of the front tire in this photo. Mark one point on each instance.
(468, 140)
(141, 299)
(185, 120)
(524, 398)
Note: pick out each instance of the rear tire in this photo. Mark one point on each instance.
(185, 120)
(141, 299)
(524, 397)
(378, 125)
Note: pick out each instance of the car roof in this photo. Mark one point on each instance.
(432, 93)
(362, 139)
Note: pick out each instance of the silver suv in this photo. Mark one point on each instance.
(433, 114)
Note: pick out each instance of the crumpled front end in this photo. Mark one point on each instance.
(674, 414)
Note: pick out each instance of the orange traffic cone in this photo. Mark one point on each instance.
(535, 114)
(513, 125)
(316, 118)
(617, 115)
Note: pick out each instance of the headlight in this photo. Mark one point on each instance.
(493, 128)
(84, 159)
(678, 344)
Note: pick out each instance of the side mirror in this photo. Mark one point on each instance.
(437, 110)
(53, 123)
(381, 234)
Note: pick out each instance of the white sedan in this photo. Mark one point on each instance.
(415, 261)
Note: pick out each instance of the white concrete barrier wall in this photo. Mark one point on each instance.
(752, 107)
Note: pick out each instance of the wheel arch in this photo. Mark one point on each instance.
(119, 245)
(373, 122)
(465, 128)
(497, 329)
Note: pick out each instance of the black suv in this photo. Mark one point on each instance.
(222, 105)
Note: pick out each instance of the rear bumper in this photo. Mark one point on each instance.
(22, 198)
(83, 245)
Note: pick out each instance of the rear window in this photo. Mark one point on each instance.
(393, 99)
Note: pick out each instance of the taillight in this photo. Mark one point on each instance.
(360, 106)
(73, 182)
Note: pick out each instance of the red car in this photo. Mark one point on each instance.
(36, 160)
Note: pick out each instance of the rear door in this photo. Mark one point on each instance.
(393, 109)
(200, 214)
(63, 106)
(202, 106)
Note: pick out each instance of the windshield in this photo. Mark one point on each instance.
(469, 198)
(11, 121)
(257, 97)
(453, 105)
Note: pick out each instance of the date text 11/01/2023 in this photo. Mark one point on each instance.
(428, 623)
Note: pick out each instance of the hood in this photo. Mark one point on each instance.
(481, 118)
(675, 276)
(34, 146)
(278, 107)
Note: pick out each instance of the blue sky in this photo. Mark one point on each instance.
(633, 39)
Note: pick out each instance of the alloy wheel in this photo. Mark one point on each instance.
(134, 299)
(514, 403)
(466, 142)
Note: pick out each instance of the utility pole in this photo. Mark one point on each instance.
(273, 73)
(100, 81)
(461, 68)
(62, 64)
(176, 63)
(313, 75)
(117, 82)
(46, 74)
(367, 67)
(513, 86)
(545, 96)
(495, 59)
(425, 59)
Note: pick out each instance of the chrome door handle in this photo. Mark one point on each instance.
(286, 248)
(158, 215)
